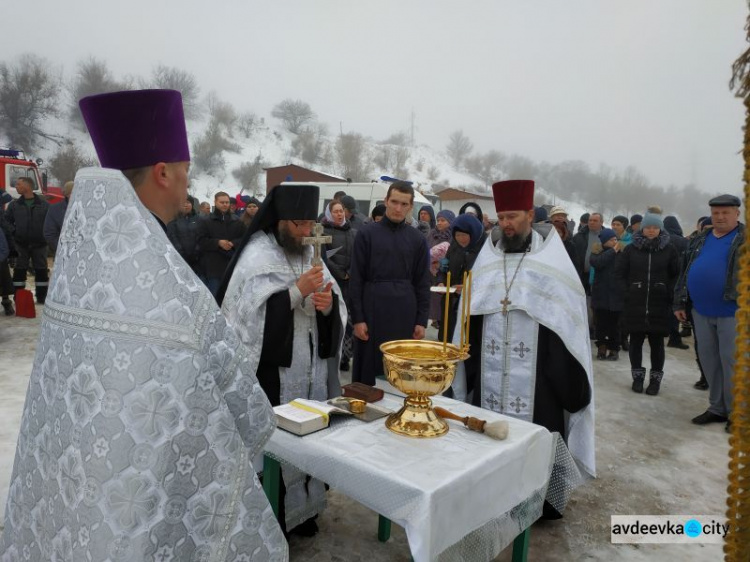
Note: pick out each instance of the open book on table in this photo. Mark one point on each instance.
(301, 416)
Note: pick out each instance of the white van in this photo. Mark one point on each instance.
(367, 195)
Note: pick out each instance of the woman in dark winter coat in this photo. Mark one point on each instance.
(607, 295)
(468, 238)
(441, 233)
(650, 267)
(342, 236)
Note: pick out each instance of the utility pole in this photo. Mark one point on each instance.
(413, 120)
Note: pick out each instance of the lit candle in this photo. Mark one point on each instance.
(467, 292)
(463, 310)
(445, 314)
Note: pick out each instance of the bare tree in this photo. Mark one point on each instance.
(248, 174)
(246, 123)
(310, 143)
(519, 167)
(29, 92)
(487, 167)
(208, 150)
(293, 113)
(433, 173)
(222, 114)
(399, 139)
(401, 156)
(92, 77)
(459, 147)
(352, 157)
(172, 78)
(67, 161)
(383, 158)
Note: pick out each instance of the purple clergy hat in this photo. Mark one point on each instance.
(137, 128)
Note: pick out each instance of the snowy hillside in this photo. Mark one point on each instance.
(274, 145)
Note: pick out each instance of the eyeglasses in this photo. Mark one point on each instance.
(303, 224)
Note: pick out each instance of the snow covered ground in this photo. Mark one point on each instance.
(651, 461)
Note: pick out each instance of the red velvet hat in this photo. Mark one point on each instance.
(137, 128)
(513, 195)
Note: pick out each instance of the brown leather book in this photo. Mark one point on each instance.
(362, 392)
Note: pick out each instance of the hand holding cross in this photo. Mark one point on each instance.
(316, 241)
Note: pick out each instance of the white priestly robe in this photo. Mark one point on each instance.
(142, 413)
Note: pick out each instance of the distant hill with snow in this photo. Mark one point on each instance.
(430, 169)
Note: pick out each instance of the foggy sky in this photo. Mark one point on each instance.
(636, 82)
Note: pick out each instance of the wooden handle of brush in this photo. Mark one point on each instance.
(443, 413)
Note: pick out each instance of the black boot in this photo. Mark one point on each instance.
(41, 277)
(8, 306)
(702, 384)
(677, 343)
(654, 382)
(638, 376)
(614, 355)
(687, 330)
(602, 352)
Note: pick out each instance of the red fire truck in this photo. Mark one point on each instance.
(14, 165)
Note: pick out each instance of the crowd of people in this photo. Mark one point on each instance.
(256, 321)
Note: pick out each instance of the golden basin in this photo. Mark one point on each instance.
(419, 369)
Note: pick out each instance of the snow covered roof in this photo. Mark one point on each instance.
(453, 194)
(304, 168)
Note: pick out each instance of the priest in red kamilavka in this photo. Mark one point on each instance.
(530, 351)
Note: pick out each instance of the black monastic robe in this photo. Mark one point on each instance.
(389, 289)
(278, 335)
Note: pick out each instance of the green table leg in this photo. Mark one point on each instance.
(271, 481)
(384, 528)
(521, 546)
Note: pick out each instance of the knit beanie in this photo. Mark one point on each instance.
(447, 215)
(635, 219)
(540, 215)
(606, 234)
(652, 219)
(349, 203)
(623, 220)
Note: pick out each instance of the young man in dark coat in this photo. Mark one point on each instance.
(26, 217)
(218, 234)
(389, 287)
(650, 267)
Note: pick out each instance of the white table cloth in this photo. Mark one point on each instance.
(439, 490)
